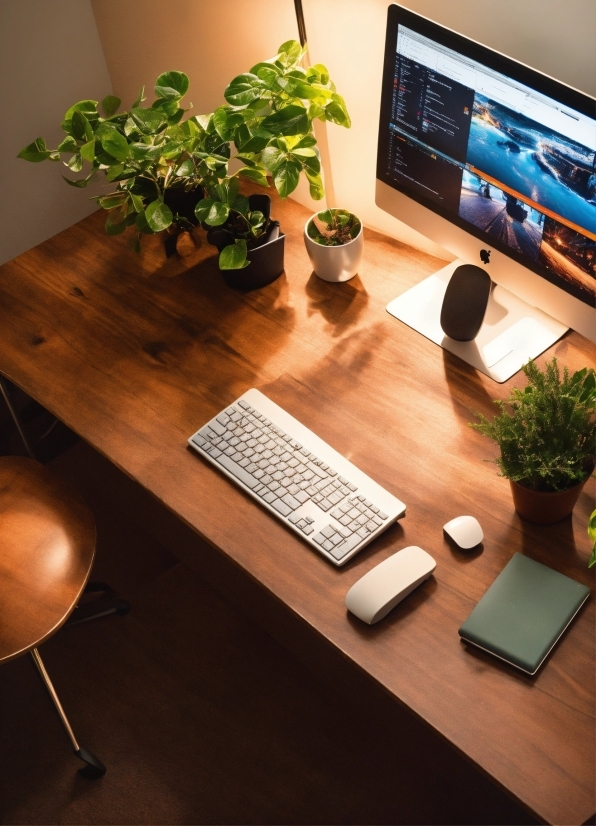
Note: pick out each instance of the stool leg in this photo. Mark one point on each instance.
(16, 419)
(94, 768)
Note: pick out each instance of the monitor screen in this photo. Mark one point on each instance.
(502, 151)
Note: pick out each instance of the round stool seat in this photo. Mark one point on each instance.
(47, 545)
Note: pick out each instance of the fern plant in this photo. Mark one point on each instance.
(547, 431)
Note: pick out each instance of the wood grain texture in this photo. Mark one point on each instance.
(47, 544)
(134, 353)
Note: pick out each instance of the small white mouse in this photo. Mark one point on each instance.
(378, 591)
(465, 531)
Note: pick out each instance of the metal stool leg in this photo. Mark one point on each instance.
(94, 768)
(16, 419)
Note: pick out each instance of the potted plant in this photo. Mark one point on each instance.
(334, 242)
(547, 437)
(268, 118)
(162, 165)
(155, 159)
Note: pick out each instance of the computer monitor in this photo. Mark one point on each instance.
(495, 162)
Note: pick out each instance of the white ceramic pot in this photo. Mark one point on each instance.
(334, 263)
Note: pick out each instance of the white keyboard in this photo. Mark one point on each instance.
(298, 477)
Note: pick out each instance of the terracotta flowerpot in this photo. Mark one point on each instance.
(544, 508)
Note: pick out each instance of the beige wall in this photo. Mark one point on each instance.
(50, 57)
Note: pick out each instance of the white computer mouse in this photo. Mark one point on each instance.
(465, 531)
(380, 590)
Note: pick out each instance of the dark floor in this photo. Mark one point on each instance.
(202, 717)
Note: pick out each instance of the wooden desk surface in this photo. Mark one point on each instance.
(135, 352)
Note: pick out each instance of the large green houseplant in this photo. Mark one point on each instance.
(269, 121)
(151, 154)
(547, 437)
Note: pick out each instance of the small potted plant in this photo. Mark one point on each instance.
(334, 242)
(547, 437)
(155, 160)
(269, 120)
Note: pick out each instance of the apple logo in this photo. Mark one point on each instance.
(485, 256)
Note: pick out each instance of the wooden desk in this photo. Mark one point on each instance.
(135, 352)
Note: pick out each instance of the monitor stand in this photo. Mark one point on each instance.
(512, 333)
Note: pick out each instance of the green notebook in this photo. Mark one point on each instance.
(524, 612)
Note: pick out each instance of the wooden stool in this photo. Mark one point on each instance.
(47, 545)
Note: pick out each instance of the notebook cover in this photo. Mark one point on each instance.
(524, 612)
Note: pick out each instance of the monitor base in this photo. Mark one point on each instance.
(512, 333)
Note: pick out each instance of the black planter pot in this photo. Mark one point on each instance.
(266, 255)
(181, 203)
(184, 203)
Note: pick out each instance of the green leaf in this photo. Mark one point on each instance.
(233, 257)
(171, 149)
(592, 526)
(75, 163)
(148, 121)
(87, 106)
(110, 105)
(171, 85)
(203, 208)
(289, 53)
(268, 74)
(320, 72)
(251, 141)
(68, 145)
(241, 204)
(88, 151)
(159, 215)
(305, 142)
(36, 151)
(186, 168)
(81, 128)
(144, 151)
(114, 200)
(337, 112)
(269, 67)
(305, 153)
(142, 225)
(140, 98)
(119, 172)
(301, 89)
(286, 176)
(169, 106)
(218, 214)
(255, 175)
(80, 184)
(291, 120)
(137, 202)
(244, 89)
(271, 157)
(315, 185)
(115, 144)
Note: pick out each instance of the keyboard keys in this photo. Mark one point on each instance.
(286, 475)
(281, 506)
(240, 473)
